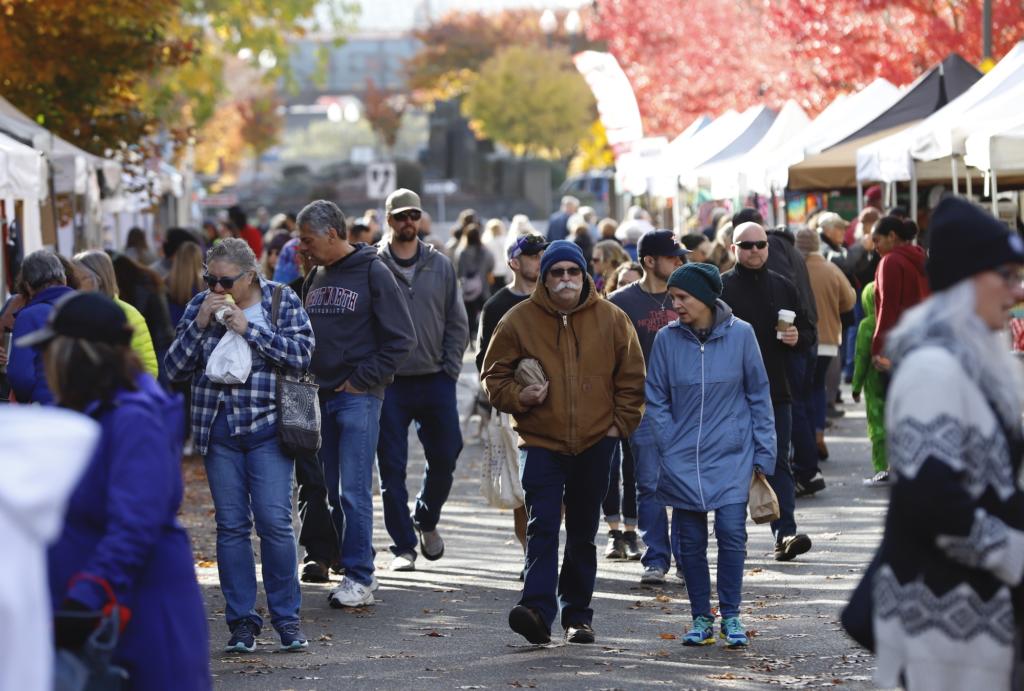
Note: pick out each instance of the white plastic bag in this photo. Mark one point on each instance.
(500, 483)
(231, 361)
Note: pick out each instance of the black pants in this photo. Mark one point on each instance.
(317, 534)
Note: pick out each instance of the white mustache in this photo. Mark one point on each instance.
(562, 285)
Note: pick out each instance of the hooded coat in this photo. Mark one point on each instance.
(900, 283)
(592, 359)
(869, 380)
(710, 405)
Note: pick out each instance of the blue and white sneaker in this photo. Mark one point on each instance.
(702, 633)
(292, 638)
(243, 637)
(734, 633)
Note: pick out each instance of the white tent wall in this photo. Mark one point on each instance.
(707, 147)
(844, 116)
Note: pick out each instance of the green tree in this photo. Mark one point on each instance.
(531, 100)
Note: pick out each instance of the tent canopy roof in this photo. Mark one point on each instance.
(834, 168)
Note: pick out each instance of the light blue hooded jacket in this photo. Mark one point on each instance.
(711, 410)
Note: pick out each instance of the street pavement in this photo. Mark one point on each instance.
(444, 626)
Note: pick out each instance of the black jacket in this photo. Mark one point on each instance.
(756, 297)
(785, 259)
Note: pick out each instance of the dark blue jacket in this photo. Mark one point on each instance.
(121, 526)
(25, 365)
(558, 226)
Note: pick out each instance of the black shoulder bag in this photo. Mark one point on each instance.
(298, 408)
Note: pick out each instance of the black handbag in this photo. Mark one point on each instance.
(298, 406)
(90, 668)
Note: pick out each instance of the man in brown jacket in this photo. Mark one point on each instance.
(568, 428)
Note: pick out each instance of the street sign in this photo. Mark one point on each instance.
(380, 180)
(440, 187)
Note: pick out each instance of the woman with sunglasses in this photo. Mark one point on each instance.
(945, 582)
(234, 427)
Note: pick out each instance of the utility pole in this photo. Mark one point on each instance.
(986, 20)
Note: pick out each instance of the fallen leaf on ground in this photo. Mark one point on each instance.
(667, 636)
(436, 634)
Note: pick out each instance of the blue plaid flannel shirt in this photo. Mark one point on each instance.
(250, 407)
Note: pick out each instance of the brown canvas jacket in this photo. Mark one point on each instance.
(591, 356)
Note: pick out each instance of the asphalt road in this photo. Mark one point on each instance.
(445, 625)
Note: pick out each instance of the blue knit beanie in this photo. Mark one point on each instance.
(562, 251)
(702, 281)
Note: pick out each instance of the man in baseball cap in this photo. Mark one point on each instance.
(402, 200)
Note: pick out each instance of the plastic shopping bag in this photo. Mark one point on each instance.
(500, 483)
(763, 504)
(231, 360)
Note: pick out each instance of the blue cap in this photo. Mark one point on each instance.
(562, 251)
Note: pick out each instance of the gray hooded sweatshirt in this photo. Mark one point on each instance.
(435, 304)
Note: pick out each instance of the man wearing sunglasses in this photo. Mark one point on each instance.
(569, 427)
(424, 387)
(756, 294)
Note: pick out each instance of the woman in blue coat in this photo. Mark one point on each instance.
(120, 537)
(709, 400)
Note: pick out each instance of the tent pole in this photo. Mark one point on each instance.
(955, 175)
(913, 192)
(967, 173)
(995, 191)
(860, 197)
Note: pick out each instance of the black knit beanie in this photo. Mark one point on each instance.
(966, 240)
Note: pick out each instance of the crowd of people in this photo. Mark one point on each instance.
(649, 378)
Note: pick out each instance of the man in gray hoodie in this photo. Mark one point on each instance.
(424, 386)
(364, 331)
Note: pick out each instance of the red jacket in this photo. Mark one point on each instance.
(900, 283)
(252, 236)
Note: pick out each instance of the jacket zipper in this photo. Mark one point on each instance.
(572, 397)
(700, 428)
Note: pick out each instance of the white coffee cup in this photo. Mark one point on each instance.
(786, 319)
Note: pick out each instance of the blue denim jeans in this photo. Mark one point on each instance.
(818, 398)
(731, 534)
(580, 481)
(782, 480)
(251, 482)
(652, 524)
(429, 401)
(620, 502)
(349, 430)
(800, 373)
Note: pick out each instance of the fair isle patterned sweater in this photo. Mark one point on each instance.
(953, 549)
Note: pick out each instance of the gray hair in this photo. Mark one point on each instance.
(41, 268)
(830, 219)
(233, 251)
(320, 216)
(570, 203)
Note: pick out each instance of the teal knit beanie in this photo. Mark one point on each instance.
(702, 281)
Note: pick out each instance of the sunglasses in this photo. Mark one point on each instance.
(752, 244)
(573, 271)
(226, 281)
(410, 215)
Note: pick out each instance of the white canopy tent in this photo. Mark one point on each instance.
(924, 152)
(998, 153)
(735, 176)
(712, 141)
(23, 177)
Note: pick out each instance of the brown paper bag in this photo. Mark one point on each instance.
(763, 504)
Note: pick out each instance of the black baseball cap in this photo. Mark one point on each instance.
(527, 244)
(92, 316)
(660, 243)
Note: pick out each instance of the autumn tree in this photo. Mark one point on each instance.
(531, 100)
(698, 57)
(261, 123)
(384, 112)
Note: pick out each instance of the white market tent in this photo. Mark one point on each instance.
(997, 152)
(924, 152)
(23, 177)
(658, 176)
(736, 175)
(847, 114)
(733, 137)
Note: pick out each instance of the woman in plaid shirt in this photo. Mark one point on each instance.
(235, 429)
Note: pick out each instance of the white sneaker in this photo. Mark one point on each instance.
(374, 584)
(653, 576)
(879, 479)
(431, 544)
(406, 561)
(351, 594)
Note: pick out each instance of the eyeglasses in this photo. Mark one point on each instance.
(751, 244)
(226, 281)
(573, 271)
(410, 215)
(1011, 275)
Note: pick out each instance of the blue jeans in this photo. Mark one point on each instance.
(430, 401)
(349, 430)
(818, 397)
(800, 373)
(251, 481)
(782, 480)
(731, 534)
(620, 502)
(652, 525)
(580, 481)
